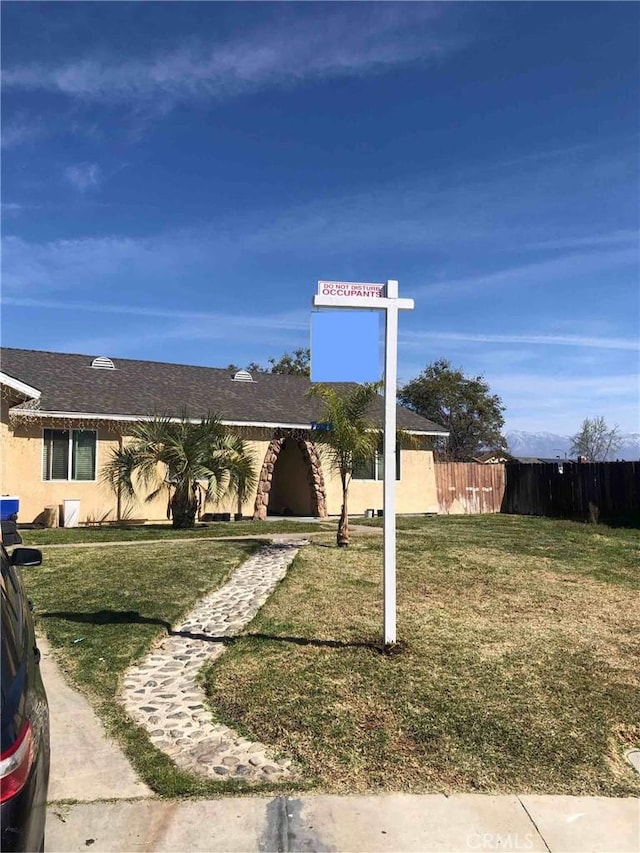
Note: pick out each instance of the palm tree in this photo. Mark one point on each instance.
(193, 462)
(350, 439)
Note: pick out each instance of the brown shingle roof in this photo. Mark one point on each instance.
(141, 388)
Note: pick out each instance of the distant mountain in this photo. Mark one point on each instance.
(549, 445)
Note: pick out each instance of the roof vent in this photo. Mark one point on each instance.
(243, 376)
(103, 363)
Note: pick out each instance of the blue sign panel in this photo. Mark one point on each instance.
(346, 346)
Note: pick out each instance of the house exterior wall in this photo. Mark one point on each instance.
(21, 474)
(5, 438)
(21, 454)
(415, 491)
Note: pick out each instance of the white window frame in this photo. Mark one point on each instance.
(376, 457)
(68, 478)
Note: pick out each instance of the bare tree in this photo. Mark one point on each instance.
(595, 440)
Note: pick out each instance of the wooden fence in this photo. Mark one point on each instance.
(602, 491)
(469, 487)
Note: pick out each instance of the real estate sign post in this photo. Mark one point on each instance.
(349, 294)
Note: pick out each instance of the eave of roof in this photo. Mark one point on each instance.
(96, 416)
(21, 387)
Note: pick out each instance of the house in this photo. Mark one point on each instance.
(62, 414)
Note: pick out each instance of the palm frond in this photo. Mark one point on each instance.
(193, 461)
(118, 472)
(353, 438)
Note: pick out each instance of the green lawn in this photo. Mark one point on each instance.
(517, 670)
(102, 608)
(141, 533)
(518, 673)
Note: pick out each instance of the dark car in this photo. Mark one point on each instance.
(24, 748)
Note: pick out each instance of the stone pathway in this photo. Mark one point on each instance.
(162, 693)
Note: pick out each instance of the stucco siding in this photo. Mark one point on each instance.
(21, 474)
(21, 455)
(415, 491)
(22, 450)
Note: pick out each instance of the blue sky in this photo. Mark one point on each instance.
(178, 176)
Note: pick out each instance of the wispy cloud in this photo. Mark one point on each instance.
(224, 331)
(292, 320)
(591, 342)
(434, 218)
(83, 176)
(21, 130)
(600, 386)
(568, 267)
(525, 215)
(124, 329)
(12, 208)
(536, 401)
(625, 237)
(88, 262)
(220, 334)
(329, 41)
(549, 154)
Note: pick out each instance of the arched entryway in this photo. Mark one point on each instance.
(291, 481)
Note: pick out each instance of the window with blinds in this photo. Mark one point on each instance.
(373, 469)
(365, 470)
(69, 454)
(83, 457)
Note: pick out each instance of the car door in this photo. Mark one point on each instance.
(24, 729)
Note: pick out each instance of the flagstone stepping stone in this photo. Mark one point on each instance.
(173, 709)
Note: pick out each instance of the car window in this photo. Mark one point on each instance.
(10, 640)
(13, 600)
(12, 668)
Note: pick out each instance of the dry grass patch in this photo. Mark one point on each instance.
(520, 671)
(497, 596)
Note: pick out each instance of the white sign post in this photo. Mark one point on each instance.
(349, 294)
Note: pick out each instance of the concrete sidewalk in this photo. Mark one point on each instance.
(85, 763)
(114, 811)
(391, 823)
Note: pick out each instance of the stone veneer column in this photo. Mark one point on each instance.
(314, 476)
(266, 475)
